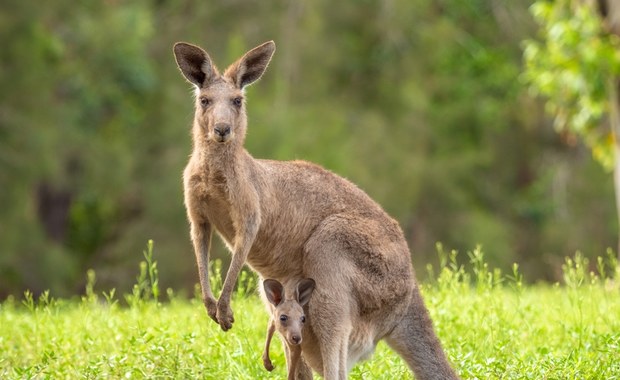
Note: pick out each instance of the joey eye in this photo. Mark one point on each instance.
(283, 318)
(303, 319)
(205, 102)
(237, 101)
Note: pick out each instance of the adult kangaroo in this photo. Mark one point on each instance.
(296, 220)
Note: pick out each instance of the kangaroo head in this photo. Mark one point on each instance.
(289, 310)
(220, 106)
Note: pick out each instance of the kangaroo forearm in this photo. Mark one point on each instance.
(240, 254)
(201, 238)
(234, 269)
(270, 331)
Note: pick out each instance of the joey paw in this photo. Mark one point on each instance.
(268, 365)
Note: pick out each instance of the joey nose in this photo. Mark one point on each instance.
(222, 129)
(296, 339)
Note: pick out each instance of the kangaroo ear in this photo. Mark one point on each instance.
(194, 63)
(274, 291)
(249, 68)
(304, 290)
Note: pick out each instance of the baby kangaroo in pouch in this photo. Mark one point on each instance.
(288, 317)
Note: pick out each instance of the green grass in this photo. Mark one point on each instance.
(491, 325)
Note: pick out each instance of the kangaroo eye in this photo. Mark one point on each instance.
(237, 101)
(205, 102)
(303, 319)
(283, 318)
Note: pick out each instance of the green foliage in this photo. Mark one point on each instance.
(572, 66)
(77, 97)
(491, 326)
(147, 282)
(414, 101)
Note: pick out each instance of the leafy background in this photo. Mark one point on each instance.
(423, 104)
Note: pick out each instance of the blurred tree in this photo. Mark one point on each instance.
(415, 101)
(576, 66)
(73, 111)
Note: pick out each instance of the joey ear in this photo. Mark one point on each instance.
(195, 63)
(274, 291)
(305, 288)
(249, 68)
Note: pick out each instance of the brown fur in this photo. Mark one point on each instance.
(290, 220)
(288, 317)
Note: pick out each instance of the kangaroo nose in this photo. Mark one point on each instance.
(222, 129)
(296, 339)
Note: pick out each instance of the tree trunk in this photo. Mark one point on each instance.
(614, 121)
(610, 10)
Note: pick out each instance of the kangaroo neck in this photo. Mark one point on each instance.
(226, 160)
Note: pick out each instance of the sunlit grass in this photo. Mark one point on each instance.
(491, 325)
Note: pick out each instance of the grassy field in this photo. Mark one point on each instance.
(491, 325)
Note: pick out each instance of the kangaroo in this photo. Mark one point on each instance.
(288, 317)
(290, 220)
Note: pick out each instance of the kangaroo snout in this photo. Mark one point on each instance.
(295, 339)
(222, 131)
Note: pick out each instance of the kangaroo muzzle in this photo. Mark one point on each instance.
(295, 339)
(222, 132)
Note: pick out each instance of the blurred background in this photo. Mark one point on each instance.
(421, 103)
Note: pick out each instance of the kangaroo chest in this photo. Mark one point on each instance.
(219, 215)
(210, 194)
